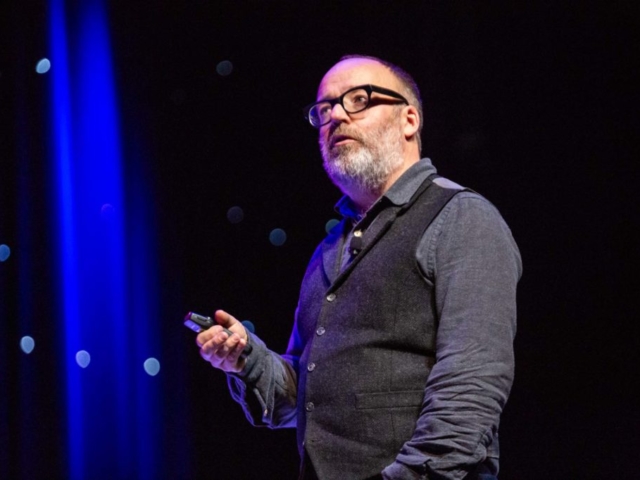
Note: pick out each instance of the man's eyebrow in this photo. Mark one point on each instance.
(326, 99)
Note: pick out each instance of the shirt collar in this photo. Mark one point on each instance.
(399, 193)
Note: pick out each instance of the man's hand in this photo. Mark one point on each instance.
(221, 350)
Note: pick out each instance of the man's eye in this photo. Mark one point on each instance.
(360, 100)
(356, 101)
(323, 110)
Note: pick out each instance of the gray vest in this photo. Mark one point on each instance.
(369, 334)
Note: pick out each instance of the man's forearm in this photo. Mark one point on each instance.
(266, 388)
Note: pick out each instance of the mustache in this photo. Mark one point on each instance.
(339, 132)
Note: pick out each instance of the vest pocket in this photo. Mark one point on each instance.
(392, 416)
(411, 398)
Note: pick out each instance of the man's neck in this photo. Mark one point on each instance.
(364, 199)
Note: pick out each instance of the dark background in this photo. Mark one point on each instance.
(533, 105)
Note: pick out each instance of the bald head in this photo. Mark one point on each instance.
(402, 81)
(357, 71)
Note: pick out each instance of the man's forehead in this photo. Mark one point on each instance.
(353, 72)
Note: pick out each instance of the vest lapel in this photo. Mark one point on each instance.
(386, 217)
(332, 249)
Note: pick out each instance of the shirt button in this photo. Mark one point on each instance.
(311, 367)
(357, 233)
(331, 297)
(320, 331)
(309, 406)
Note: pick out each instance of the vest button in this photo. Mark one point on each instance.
(320, 331)
(331, 297)
(309, 406)
(311, 367)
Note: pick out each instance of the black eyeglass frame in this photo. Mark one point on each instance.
(333, 101)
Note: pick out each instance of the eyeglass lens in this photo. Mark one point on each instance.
(353, 101)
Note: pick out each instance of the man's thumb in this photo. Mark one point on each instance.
(224, 319)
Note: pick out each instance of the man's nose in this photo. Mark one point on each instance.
(339, 114)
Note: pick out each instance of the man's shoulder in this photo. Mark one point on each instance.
(469, 213)
(466, 206)
(448, 184)
(465, 196)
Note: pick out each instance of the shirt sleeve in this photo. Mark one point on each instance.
(267, 386)
(469, 255)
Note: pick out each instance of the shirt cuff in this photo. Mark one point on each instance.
(398, 471)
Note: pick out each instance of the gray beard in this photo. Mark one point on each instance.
(366, 164)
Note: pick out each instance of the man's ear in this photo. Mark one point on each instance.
(411, 121)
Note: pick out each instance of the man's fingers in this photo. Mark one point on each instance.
(236, 346)
(205, 336)
(223, 351)
(211, 340)
(234, 361)
(230, 322)
(227, 342)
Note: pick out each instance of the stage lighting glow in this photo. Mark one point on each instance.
(277, 237)
(224, 68)
(151, 366)
(83, 358)
(27, 344)
(235, 215)
(107, 211)
(106, 257)
(330, 224)
(5, 252)
(43, 66)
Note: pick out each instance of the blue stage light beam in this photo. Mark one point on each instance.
(107, 283)
(62, 160)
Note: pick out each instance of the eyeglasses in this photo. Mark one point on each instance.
(353, 100)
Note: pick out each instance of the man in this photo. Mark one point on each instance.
(401, 357)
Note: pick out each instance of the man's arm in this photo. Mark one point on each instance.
(264, 383)
(471, 258)
(267, 387)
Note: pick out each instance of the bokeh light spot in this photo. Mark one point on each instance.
(5, 252)
(224, 68)
(43, 66)
(83, 358)
(27, 344)
(107, 211)
(235, 215)
(248, 324)
(277, 237)
(330, 224)
(151, 366)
